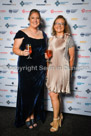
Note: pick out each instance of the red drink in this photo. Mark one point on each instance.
(29, 48)
(49, 53)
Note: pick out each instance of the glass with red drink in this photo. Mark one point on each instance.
(29, 48)
(49, 54)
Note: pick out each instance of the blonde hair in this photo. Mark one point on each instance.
(66, 29)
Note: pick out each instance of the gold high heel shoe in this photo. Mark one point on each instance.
(51, 124)
(54, 128)
(60, 120)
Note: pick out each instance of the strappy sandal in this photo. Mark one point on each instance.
(29, 124)
(51, 124)
(34, 124)
(54, 129)
(60, 120)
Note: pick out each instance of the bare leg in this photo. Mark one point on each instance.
(30, 117)
(55, 104)
(60, 112)
(61, 108)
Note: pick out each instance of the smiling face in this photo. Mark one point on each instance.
(59, 26)
(34, 20)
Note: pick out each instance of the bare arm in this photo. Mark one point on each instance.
(72, 56)
(16, 48)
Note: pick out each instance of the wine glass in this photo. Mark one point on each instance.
(29, 48)
(49, 55)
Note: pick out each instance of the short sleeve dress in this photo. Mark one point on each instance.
(31, 78)
(58, 74)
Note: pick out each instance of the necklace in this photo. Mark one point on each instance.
(34, 34)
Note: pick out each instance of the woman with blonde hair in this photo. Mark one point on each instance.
(60, 68)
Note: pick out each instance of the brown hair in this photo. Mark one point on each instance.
(66, 29)
(34, 11)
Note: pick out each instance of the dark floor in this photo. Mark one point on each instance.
(73, 125)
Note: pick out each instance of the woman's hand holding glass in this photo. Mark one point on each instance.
(25, 53)
(48, 55)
